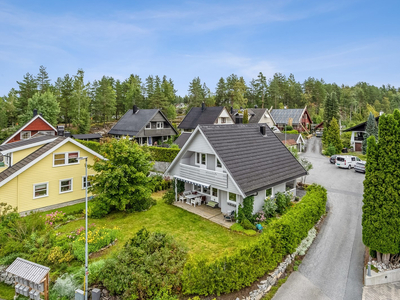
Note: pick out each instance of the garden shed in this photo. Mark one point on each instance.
(31, 279)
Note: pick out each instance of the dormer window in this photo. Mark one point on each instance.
(201, 159)
(25, 135)
(160, 125)
(148, 126)
(223, 120)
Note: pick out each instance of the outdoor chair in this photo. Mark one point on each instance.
(182, 198)
(230, 216)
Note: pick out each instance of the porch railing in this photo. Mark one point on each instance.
(218, 179)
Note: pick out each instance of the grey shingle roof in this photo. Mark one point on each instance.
(255, 113)
(182, 139)
(281, 116)
(197, 116)
(30, 141)
(28, 270)
(31, 157)
(89, 136)
(361, 127)
(132, 124)
(256, 162)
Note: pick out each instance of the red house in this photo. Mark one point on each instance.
(299, 119)
(36, 125)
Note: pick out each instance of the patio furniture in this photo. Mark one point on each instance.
(230, 216)
(195, 201)
(212, 204)
(189, 199)
(182, 198)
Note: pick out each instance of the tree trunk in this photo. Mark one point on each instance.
(386, 258)
(378, 257)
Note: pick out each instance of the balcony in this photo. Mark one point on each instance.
(214, 178)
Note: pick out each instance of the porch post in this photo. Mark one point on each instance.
(176, 190)
(237, 205)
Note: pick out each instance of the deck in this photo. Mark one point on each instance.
(212, 214)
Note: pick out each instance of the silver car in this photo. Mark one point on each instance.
(360, 167)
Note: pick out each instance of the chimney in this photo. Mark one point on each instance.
(255, 106)
(135, 109)
(35, 112)
(231, 110)
(263, 130)
(60, 130)
(203, 106)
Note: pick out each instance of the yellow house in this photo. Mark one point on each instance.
(44, 172)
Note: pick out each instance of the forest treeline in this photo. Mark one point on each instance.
(77, 103)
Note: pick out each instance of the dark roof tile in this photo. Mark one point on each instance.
(30, 141)
(182, 139)
(198, 116)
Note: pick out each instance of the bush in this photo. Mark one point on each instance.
(95, 146)
(282, 202)
(147, 264)
(169, 197)
(163, 154)
(245, 211)
(292, 132)
(270, 207)
(346, 137)
(97, 239)
(331, 150)
(8, 259)
(239, 228)
(235, 271)
(65, 287)
(289, 128)
(247, 224)
(159, 183)
(98, 209)
(54, 217)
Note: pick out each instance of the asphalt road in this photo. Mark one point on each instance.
(333, 266)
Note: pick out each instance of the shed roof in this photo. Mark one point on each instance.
(198, 116)
(182, 139)
(89, 136)
(256, 162)
(28, 270)
(362, 126)
(281, 116)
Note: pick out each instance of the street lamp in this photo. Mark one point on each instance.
(86, 228)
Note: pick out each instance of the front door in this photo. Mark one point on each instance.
(214, 194)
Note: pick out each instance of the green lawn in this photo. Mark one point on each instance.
(199, 235)
(358, 154)
(7, 292)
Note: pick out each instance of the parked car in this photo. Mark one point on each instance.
(319, 134)
(332, 160)
(360, 166)
(346, 161)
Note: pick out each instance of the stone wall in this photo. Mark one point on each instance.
(161, 166)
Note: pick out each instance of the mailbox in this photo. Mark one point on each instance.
(26, 291)
(25, 282)
(41, 287)
(21, 289)
(79, 295)
(37, 295)
(31, 284)
(32, 294)
(17, 288)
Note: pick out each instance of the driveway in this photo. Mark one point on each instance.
(333, 266)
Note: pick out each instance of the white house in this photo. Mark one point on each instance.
(227, 163)
(256, 115)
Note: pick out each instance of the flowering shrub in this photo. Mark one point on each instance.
(260, 217)
(269, 207)
(51, 219)
(56, 256)
(97, 239)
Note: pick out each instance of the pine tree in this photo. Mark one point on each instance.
(104, 101)
(245, 117)
(65, 88)
(42, 79)
(46, 104)
(27, 88)
(370, 130)
(331, 109)
(80, 103)
(221, 93)
(333, 136)
(196, 92)
(381, 209)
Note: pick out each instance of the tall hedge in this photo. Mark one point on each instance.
(95, 146)
(163, 154)
(234, 271)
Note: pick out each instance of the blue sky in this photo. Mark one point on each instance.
(339, 41)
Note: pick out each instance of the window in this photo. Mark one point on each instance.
(215, 192)
(84, 182)
(65, 186)
(197, 158)
(203, 159)
(223, 120)
(206, 190)
(197, 188)
(40, 190)
(219, 165)
(25, 135)
(62, 159)
(232, 197)
(148, 126)
(268, 192)
(160, 125)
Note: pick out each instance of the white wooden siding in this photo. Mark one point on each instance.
(199, 144)
(216, 179)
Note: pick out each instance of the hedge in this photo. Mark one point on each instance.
(235, 271)
(95, 146)
(163, 154)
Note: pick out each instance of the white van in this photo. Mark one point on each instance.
(346, 161)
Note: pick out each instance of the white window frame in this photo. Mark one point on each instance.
(148, 125)
(24, 132)
(66, 159)
(161, 125)
(197, 161)
(223, 120)
(165, 138)
(83, 183)
(214, 198)
(47, 190)
(219, 169)
(59, 186)
(230, 201)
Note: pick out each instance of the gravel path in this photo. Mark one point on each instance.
(333, 266)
